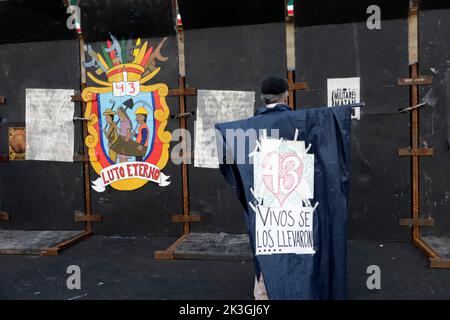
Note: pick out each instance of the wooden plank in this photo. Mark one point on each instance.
(186, 218)
(214, 246)
(32, 241)
(415, 81)
(408, 222)
(413, 37)
(4, 216)
(407, 152)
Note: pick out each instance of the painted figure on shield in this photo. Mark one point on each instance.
(142, 130)
(125, 130)
(111, 132)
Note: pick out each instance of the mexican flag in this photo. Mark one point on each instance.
(290, 8)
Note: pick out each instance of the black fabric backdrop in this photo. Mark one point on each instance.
(235, 55)
(434, 30)
(380, 180)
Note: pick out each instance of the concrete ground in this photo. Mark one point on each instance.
(124, 268)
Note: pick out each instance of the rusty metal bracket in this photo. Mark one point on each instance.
(168, 254)
(77, 98)
(420, 81)
(81, 217)
(408, 222)
(80, 158)
(440, 263)
(179, 92)
(294, 86)
(54, 251)
(50, 252)
(409, 152)
(186, 217)
(4, 216)
(298, 86)
(192, 217)
(183, 115)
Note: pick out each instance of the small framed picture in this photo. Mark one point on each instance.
(17, 143)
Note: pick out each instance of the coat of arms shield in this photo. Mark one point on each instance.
(127, 116)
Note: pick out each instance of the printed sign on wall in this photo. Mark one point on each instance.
(344, 91)
(128, 144)
(215, 106)
(283, 187)
(49, 123)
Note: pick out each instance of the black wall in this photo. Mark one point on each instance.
(201, 14)
(126, 18)
(322, 12)
(37, 51)
(44, 195)
(234, 57)
(33, 21)
(37, 194)
(434, 28)
(147, 210)
(380, 190)
(235, 51)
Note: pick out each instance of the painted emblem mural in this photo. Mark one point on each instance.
(127, 142)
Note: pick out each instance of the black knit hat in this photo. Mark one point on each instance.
(274, 85)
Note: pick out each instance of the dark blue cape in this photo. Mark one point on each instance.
(290, 276)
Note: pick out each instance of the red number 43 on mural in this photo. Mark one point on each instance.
(127, 142)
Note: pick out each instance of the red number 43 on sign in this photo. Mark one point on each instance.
(121, 89)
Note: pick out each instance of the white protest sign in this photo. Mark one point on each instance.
(284, 230)
(216, 106)
(49, 124)
(283, 187)
(344, 91)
